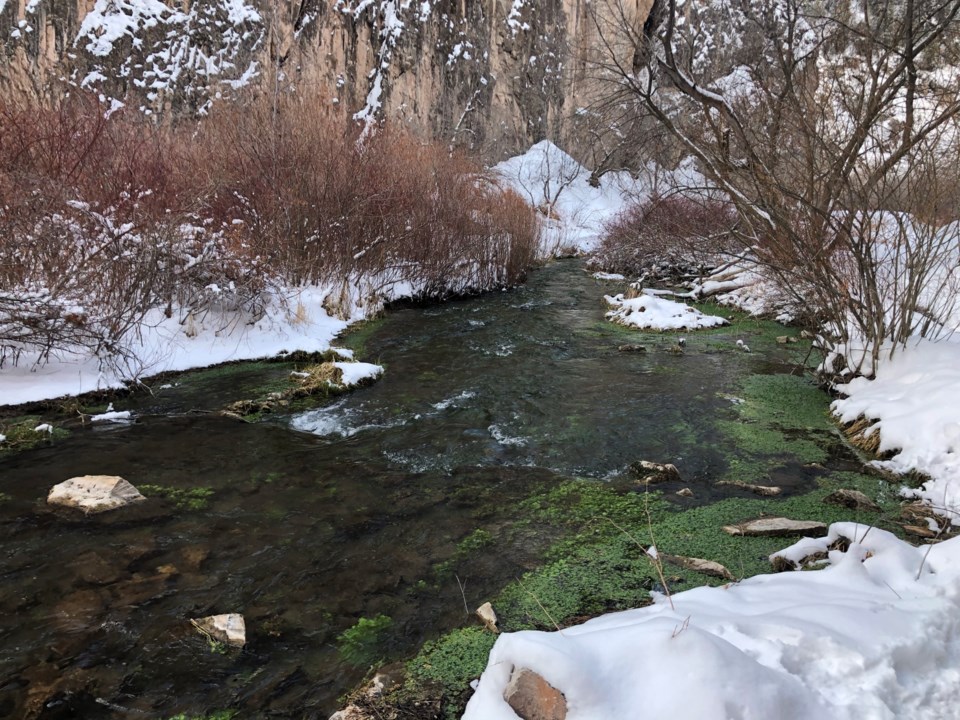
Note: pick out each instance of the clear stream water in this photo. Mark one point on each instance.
(332, 514)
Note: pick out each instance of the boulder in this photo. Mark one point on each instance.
(488, 617)
(853, 499)
(650, 473)
(707, 567)
(229, 628)
(94, 493)
(776, 526)
(533, 698)
(685, 492)
(765, 490)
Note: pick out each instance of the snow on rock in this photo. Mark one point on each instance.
(94, 493)
(120, 417)
(873, 635)
(656, 313)
(915, 402)
(354, 373)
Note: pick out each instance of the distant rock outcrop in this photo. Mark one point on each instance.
(498, 75)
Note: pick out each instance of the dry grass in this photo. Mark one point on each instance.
(859, 435)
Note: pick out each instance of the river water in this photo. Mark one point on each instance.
(335, 513)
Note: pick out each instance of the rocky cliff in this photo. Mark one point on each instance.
(494, 75)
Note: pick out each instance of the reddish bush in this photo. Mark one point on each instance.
(104, 217)
(673, 234)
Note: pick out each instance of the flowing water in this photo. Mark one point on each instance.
(333, 514)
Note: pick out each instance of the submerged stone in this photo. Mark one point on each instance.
(650, 473)
(765, 490)
(228, 628)
(94, 493)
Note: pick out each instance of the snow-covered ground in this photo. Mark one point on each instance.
(872, 636)
(915, 402)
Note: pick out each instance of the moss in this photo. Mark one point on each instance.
(449, 664)
(360, 334)
(789, 401)
(360, 645)
(4, 497)
(217, 715)
(183, 498)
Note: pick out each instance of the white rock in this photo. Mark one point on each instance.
(94, 493)
(489, 618)
(228, 628)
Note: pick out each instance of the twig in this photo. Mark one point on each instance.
(463, 594)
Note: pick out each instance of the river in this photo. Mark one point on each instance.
(338, 512)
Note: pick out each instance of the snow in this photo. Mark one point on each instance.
(914, 400)
(120, 417)
(657, 313)
(166, 345)
(873, 635)
(353, 373)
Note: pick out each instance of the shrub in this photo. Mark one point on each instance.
(106, 217)
(672, 233)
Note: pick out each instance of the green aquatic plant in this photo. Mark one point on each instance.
(360, 645)
(183, 498)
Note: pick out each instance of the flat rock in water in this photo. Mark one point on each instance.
(632, 348)
(776, 526)
(533, 698)
(685, 492)
(229, 628)
(853, 499)
(94, 493)
(707, 567)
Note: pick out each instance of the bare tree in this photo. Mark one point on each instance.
(819, 120)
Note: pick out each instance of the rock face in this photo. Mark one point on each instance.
(491, 74)
(533, 698)
(94, 493)
(776, 526)
(229, 628)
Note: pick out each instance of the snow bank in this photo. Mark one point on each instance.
(863, 638)
(167, 345)
(657, 313)
(551, 180)
(915, 401)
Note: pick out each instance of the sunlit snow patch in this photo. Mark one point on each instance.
(657, 313)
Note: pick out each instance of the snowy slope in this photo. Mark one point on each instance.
(871, 637)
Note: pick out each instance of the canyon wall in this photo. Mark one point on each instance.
(492, 75)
